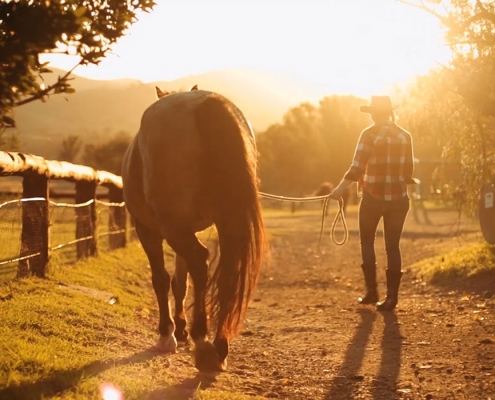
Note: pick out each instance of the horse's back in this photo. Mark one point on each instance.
(162, 169)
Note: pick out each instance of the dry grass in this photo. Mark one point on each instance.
(64, 337)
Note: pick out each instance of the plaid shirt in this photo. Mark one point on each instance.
(383, 162)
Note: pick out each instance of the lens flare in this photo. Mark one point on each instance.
(110, 392)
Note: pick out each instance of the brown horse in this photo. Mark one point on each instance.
(326, 188)
(191, 165)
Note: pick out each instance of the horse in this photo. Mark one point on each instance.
(192, 165)
(325, 189)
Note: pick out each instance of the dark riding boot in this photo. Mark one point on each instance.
(371, 296)
(393, 283)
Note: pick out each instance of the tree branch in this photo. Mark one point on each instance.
(47, 90)
(484, 13)
(422, 6)
(478, 41)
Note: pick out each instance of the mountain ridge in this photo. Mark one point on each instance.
(100, 108)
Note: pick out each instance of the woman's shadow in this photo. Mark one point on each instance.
(348, 378)
(384, 384)
(345, 381)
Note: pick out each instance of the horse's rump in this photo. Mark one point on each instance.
(165, 159)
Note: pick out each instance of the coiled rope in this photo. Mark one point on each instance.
(326, 201)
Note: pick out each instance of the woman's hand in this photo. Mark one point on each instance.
(338, 192)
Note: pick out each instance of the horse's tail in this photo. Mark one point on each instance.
(229, 165)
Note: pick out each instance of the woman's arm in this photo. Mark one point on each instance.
(358, 166)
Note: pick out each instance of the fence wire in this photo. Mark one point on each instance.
(64, 219)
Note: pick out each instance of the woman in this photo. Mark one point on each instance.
(383, 166)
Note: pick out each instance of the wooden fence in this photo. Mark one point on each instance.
(36, 173)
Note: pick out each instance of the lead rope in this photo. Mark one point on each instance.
(326, 201)
(340, 215)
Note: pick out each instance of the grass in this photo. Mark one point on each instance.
(62, 232)
(61, 342)
(476, 260)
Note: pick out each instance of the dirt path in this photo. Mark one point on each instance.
(306, 336)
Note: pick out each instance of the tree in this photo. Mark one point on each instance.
(10, 143)
(341, 125)
(462, 96)
(108, 156)
(289, 152)
(470, 33)
(85, 28)
(312, 145)
(70, 148)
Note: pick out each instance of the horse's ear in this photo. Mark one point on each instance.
(160, 93)
(195, 87)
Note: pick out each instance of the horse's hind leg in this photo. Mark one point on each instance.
(152, 245)
(221, 344)
(179, 288)
(187, 245)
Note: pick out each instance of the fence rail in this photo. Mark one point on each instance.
(36, 173)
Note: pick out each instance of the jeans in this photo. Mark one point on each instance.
(394, 214)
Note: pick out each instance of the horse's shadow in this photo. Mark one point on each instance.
(61, 381)
(184, 390)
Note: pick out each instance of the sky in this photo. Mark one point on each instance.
(347, 46)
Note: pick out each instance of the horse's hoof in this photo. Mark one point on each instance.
(167, 344)
(180, 330)
(222, 346)
(181, 336)
(206, 357)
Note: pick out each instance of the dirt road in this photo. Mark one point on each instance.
(306, 336)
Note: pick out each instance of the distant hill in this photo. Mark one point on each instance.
(101, 108)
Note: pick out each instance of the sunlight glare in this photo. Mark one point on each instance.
(348, 46)
(110, 392)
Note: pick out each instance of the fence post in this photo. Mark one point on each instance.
(35, 234)
(117, 219)
(86, 219)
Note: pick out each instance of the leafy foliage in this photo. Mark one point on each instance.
(10, 142)
(456, 105)
(108, 155)
(70, 148)
(312, 145)
(85, 28)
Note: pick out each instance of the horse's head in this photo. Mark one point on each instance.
(160, 93)
(324, 189)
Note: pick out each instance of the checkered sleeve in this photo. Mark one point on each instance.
(361, 156)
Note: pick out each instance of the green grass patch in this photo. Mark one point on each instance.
(62, 337)
(467, 262)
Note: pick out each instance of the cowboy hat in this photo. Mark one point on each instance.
(378, 104)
